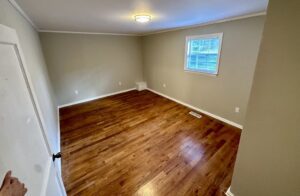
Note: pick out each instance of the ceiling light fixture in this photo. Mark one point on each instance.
(142, 18)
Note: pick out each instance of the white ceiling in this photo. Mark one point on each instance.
(116, 16)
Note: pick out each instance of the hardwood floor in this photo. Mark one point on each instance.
(139, 143)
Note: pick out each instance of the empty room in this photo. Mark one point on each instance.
(149, 98)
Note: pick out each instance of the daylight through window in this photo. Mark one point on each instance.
(203, 53)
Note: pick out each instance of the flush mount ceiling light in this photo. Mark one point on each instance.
(142, 18)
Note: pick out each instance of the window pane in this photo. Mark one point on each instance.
(203, 55)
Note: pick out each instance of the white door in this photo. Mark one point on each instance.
(24, 147)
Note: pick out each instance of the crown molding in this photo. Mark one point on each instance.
(87, 33)
(21, 11)
(162, 31)
(208, 23)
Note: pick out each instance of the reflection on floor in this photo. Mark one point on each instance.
(139, 143)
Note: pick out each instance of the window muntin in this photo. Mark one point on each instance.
(202, 53)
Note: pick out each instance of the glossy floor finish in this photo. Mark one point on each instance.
(139, 143)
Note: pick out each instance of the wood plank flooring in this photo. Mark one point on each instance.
(139, 143)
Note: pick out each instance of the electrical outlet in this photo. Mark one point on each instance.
(76, 92)
(237, 109)
(164, 85)
(120, 83)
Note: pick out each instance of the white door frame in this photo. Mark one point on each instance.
(9, 36)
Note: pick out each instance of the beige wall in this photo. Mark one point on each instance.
(91, 64)
(163, 56)
(30, 44)
(268, 162)
(94, 64)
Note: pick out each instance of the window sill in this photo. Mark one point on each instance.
(202, 73)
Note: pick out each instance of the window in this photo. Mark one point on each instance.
(202, 53)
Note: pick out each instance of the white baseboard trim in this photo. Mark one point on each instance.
(94, 98)
(229, 193)
(198, 109)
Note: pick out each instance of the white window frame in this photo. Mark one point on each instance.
(206, 36)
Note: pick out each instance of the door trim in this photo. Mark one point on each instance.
(9, 36)
(50, 164)
(45, 184)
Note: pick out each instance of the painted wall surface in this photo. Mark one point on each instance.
(30, 43)
(85, 66)
(163, 58)
(269, 154)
